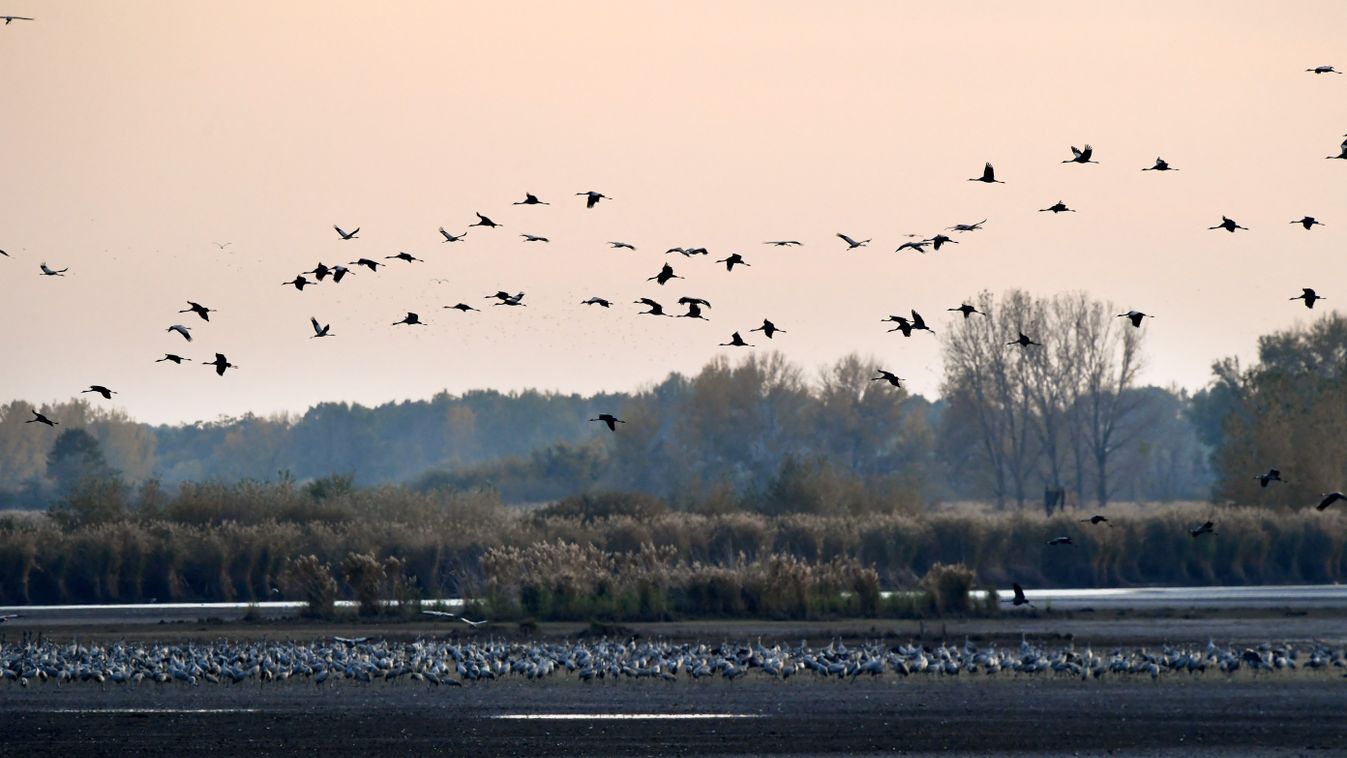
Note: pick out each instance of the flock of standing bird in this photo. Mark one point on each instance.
(323, 273)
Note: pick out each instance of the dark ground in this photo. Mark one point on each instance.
(1290, 715)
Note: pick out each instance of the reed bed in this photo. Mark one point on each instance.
(204, 544)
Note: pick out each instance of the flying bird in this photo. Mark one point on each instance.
(888, 376)
(484, 221)
(411, 319)
(1309, 296)
(38, 418)
(596, 301)
(345, 234)
(178, 359)
(655, 308)
(47, 271)
(321, 271)
(530, 199)
(8, 19)
(941, 239)
(464, 307)
(851, 243)
(918, 246)
(1323, 70)
(966, 227)
(988, 176)
(339, 273)
(100, 389)
(1059, 206)
(904, 325)
(768, 329)
(733, 259)
(592, 198)
(735, 341)
(299, 283)
(622, 246)
(1060, 541)
(919, 324)
(1160, 165)
(1023, 341)
(1309, 222)
(1095, 520)
(782, 243)
(1272, 475)
(320, 330)
(665, 274)
(1229, 225)
(967, 310)
(1135, 317)
(694, 310)
(694, 301)
(199, 310)
(220, 363)
(1019, 598)
(1207, 528)
(1081, 156)
(366, 262)
(609, 419)
(534, 238)
(1329, 499)
(185, 331)
(688, 252)
(404, 256)
(451, 237)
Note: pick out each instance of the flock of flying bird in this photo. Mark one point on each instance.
(695, 306)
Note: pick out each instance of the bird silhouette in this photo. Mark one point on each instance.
(665, 274)
(298, 283)
(1323, 70)
(38, 418)
(735, 341)
(655, 308)
(484, 221)
(411, 319)
(1160, 165)
(967, 310)
(320, 330)
(783, 243)
(622, 246)
(1135, 317)
(1081, 156)
(918, 246)
(694, 309)
(966, 227)
(1329, 499)
(1019, 598)
(199, 310)
(694, 301)
(530, 199)
(452, 237)
(904, 325)
(185, 331)
(988, 176)
(220, 363)
(592, 198)
(1309, 296)
(464, 307)
(1096, 520)
(851, 243)
(1309, 222)
(919, 323)
(941, 239)
(345, 234)
(609, 419)
(1272, 475)
(1059, 206)
(516, 299)
(596, 301)
(688, 252)
(320, 272)
(534, 238)
(1229, 225)
(178, 359)
(768, 329)
(100, 389)
(47, 271)
(1060, 540)
(339, 273)
(1206, 528)
(733, 259)
(366, 262)
(404, 256)
(888, 376)
(8, 19)
(1023, 341)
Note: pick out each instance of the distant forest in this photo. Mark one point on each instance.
(759, 433)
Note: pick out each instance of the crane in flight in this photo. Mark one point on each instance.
(1309, 296)
(320, 330)
(592, 198)
(1081, 156)
(735, 341)
(38, 418)
(1208, 527)
(534, 238)
(1329, 499)
(597, 301)
(345, 234)
(1160, 165)
(888, 376)
(178, 359)
(185, 331)
(1309, 222)
(732, 260)
(768, 329)
(1323, 70)
(463, 307)
(655, 308)
(1135, 317)
(966, 227)
(967, 310)
(484, 221)
(199, 310)
(8, 19)
(621, 245)
(299, 283)
(404, 256)
(220, 363)
(48, 271)
(988, 176)
(851, 243)
(609, 419)
(1023, 341)
(783, 243)
(1272, 475)
(1229, 225)
(1058, 207)
(451, 237)
(530, 199)
(411, 319)
(665, 274)
(100, 389)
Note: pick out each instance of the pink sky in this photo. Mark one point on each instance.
(138, 133)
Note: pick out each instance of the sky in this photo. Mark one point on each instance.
(138, 134)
